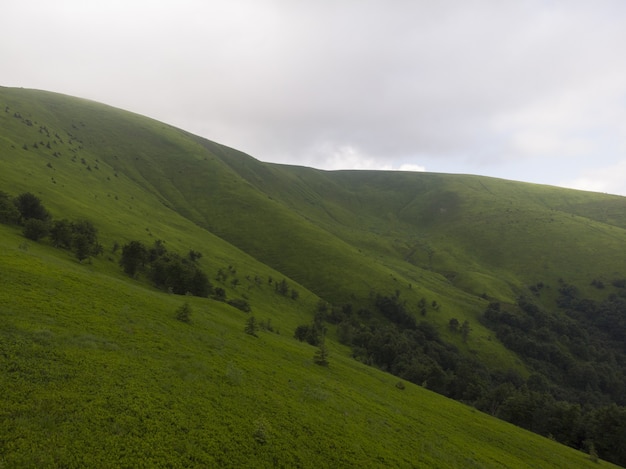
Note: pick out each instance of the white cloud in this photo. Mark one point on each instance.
(609, 179)
(411, 167)
(478, 86)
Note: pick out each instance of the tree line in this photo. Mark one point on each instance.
(167, 270)
(577, 353)
(575, 393)
(78, 236)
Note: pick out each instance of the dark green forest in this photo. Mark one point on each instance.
(575, 393)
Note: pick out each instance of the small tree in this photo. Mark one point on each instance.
(321, 355)
(219, 294)
(183, 313)
(465, 330)
(8, 211)
(262, 432)
(84, 240)
(308, 333)
(82, 247)
(251, 326)
(453, 324)
(61, 234)
(35, 229)
(282, 287)
(240, 304)
(30, 206)
(134, 256)
(593, 454)
(194, 255)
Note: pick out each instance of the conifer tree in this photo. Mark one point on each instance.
(321, 355)
(251, 326)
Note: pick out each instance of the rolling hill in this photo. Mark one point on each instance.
(99, 372)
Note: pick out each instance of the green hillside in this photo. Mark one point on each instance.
(98, 372)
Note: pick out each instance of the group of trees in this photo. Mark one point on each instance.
(315, 334)
(463, 329)
(283, 288)
(410, 350)
(27, 210)
(577, 391)
(167, 270)
(389, 337)
(577, 388)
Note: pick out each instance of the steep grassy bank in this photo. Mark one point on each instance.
(96, 371)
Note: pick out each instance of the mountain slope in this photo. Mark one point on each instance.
(458, 242)
(97, 372)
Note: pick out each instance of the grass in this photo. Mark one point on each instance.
(99, 372)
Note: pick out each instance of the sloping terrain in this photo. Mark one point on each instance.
(86, 347)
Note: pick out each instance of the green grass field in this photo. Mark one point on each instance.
(97, 371)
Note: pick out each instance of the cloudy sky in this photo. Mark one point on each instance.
(527, 90)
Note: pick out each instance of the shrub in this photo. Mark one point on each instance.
(85, 239)
(262, 431)
(321, 355)
(251, 326)
(308, 333)
(61, 234)
(35, 229)
(8, 211)
(30, 206)
(240, 304)
(134, 255)
(183, 313)
(219, 294)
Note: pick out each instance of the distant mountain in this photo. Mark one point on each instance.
(505, 295)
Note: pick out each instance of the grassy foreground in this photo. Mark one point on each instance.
(97, 372)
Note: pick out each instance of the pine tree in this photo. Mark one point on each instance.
(321, 355)
(183, 313)
(251, 326)
(465, 330)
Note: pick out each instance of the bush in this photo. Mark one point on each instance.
(251, 326)
(8, 211)
(321, 355)
(240, 304)
(183, 313)
(168, 270)
(84, 239)
(30, 206)
(35, 229)
(134, 256)
(308, 333)
(61, 234)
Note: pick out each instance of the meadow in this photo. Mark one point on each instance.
(97, 372)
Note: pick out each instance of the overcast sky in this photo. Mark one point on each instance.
(527, 90)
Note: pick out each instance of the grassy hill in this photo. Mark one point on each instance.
(99, 372)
